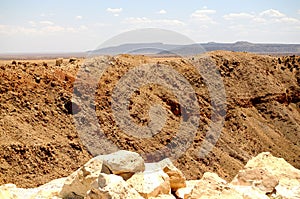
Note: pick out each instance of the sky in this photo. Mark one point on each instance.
(75, 26)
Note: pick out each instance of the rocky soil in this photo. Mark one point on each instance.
(39, 141)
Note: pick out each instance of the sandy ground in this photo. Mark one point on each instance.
(40, 142)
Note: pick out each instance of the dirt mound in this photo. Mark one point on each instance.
(39, 141)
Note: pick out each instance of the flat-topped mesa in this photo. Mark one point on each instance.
(124, 174)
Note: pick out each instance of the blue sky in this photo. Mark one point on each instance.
(65, 25)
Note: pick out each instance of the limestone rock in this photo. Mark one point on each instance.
(184, 193)
(250, 192)
(79, 182)
(177, 179)
(288, 188)
(112, 187)
(158, 166)
(123, 163)
(7, 191)
(277, 166)
(273, 175)
(258, 177)
(263, 177)
(164, 196)
(48, 190)
(210, 184)
(150, 184)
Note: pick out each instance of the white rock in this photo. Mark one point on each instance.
(250, 192)
(112, 187)
(164, 196)
(212, 186)
(256, 177)
(288, 188)
(79, 182)
(273, 175)
(177, 179)
(184, 193)
(49, 190)
(150, 184)
(123, 163)
(8, 191)
(276, 166)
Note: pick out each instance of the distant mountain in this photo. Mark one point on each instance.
(136, 48)
(252, 47)
(166, 49)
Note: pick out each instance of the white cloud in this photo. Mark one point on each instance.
(203, 12)
(144, 21)
(266, 17)
(51, 29)
(203, 16)
(9, 30)
(234, 16)
(272, 13)
(266, 26)
(78, 17)
(49, 23)
(115, 11)
(298, 12)
(47, 14)
(39, 30)
(287, 20)
(32, 23)
(162, 11)
(278, 17)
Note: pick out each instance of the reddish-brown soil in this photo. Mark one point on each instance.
(39, 141)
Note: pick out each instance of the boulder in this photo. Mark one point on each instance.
(250, 192)
(59, 61)
(164, 196)
(288, 188)
(110, 186)
(276, 166)
(48, 190)
(256, 177)
(123, 163)
(209, 185)
(150, 184)
(273, 176)
(79, 182)
(177, 179)
(8, 191)
(212, 186)
(72, 60)
(184, 193)
(119, 175)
